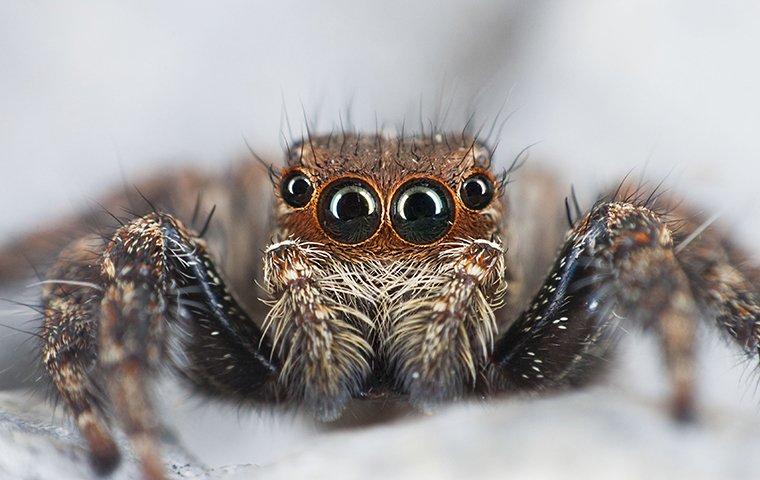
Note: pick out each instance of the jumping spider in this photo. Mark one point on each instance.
(387, 266)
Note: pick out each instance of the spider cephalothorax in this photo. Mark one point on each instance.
(390, 266)
(385, 272)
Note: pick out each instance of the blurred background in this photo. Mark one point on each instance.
(93, 93)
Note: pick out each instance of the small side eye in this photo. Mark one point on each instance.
(296, 190)
(349, 211)
(476, 192)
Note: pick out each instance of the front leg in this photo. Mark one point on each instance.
(115, 311)
(316, 328)
(617, 265)
(443, 322)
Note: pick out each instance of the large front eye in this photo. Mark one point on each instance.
(296, 189)
(422, 211)
(476, 192)
(349, 211)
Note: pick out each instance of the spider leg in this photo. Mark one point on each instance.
(316, 327)
(617, 265)
(175, 192)
(69, 349)
(157, 297)
(445, 329)
(723, 280)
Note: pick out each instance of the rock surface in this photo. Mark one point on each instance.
(33, 446)
(597, 434)
(600, 433)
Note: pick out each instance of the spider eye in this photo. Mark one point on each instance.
(422, 211)
(349, 211)
(296, 190)
(476, 192)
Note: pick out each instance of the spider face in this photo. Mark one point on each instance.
(393, 248)
(382, 198)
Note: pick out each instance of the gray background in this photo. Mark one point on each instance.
(92, 93)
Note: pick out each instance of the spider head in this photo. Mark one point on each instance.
(378, 197)
(382, 239)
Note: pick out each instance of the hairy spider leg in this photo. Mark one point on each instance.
(154, 295)
(619, 267)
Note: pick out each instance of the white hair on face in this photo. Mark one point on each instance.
(430, 318)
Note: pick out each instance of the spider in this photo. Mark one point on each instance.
(395, 266)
